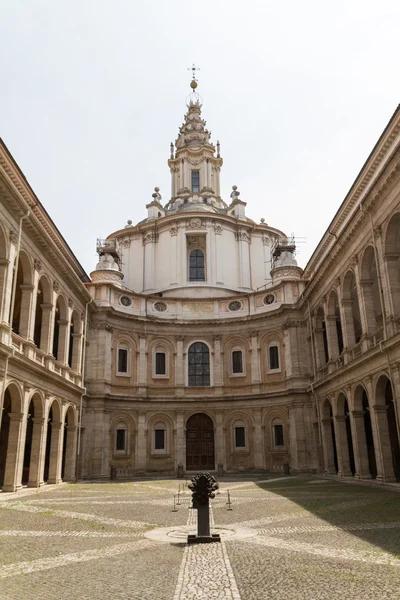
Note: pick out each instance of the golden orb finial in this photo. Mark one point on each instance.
(193, 84)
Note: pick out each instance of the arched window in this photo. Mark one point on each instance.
(239, 436)
(237, 362)
(123, 359)
(273, 357)
(196, 265)
(121, 439)
(159, 444)
(198, 365)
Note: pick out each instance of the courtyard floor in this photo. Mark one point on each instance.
(290, 537)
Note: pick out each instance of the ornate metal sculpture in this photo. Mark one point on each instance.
(203, 488)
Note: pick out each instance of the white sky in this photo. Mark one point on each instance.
(93, 92)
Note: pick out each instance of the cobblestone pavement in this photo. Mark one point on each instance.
(314, 539)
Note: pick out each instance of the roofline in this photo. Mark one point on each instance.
(351, 190)
(80, 271)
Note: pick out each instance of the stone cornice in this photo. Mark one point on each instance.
(340, 245)
(21, 198)
(387, 145)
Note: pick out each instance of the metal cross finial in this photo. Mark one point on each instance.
(193, 68)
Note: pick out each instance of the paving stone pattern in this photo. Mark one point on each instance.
(315, 539)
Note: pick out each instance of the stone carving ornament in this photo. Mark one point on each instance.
(125, 300)
(195, 223)
(235, 305)
(269, 299)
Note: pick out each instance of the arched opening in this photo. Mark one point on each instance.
(42, 315)
(4, 434)
(60, 332)
(334, 326)
(4, 266)
(345, 438)
(392, 259)
(386, 421)
(351, 309)
(74, 348)
(16, 317)
(370, 289)
(198, 365)
(37, 332)
(200, 443)
(53, 455)
(10, 439)
(321, 340)
(369, 436)
(329, 438)
(28, 443)
(69, 446)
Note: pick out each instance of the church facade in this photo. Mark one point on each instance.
(198, 343)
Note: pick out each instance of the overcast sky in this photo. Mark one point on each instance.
(93, 92)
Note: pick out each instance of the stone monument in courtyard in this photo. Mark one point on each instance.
(203, 488)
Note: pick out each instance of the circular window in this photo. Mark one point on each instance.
(125, 300)
(160, 306)
(235, 305)
(269, 299)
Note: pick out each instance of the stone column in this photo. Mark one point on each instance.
(141, 444)
(5, 290)
(27, 315)
(259, 455)
(379, 416)
(149, 241)
(331, 334)
(38, 452)
(347, 324)
(15, 448)
(70, 453)
(179, 366)
(217, 381)
(46, 332)
(219, 254)
(142, 371)
(375, 429)
(180, 442)
(327, 443)
(63, 341)
(76, 352)
(243, 239)
(359, 445)
(255, 359)
(298, 452)
(220, 457)
(56, 448)
(368, 303)
(173, 265)
(342, 446)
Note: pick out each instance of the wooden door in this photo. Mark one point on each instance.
(200, 443)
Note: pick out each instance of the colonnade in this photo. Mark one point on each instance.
(360, 434)
(37, 439)
(362, 307)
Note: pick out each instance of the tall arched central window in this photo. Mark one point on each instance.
(196, 266)
(199, 365)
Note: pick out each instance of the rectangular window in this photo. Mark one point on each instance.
(161, 364)
(195, 181)
(278, 435)
(273, 357)
(121, 438)
(122, 360)
(237, 361)
(240, 439)
(159, 439)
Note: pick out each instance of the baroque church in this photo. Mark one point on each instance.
(197, 343)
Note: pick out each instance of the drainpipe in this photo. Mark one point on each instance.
(378, 272)
(13, 293)
(78, 448)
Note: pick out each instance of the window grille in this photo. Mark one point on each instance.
(240, 437)
(122, 360)
(237, 361)
(273, 357)
(196, 266)
(199, 365)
